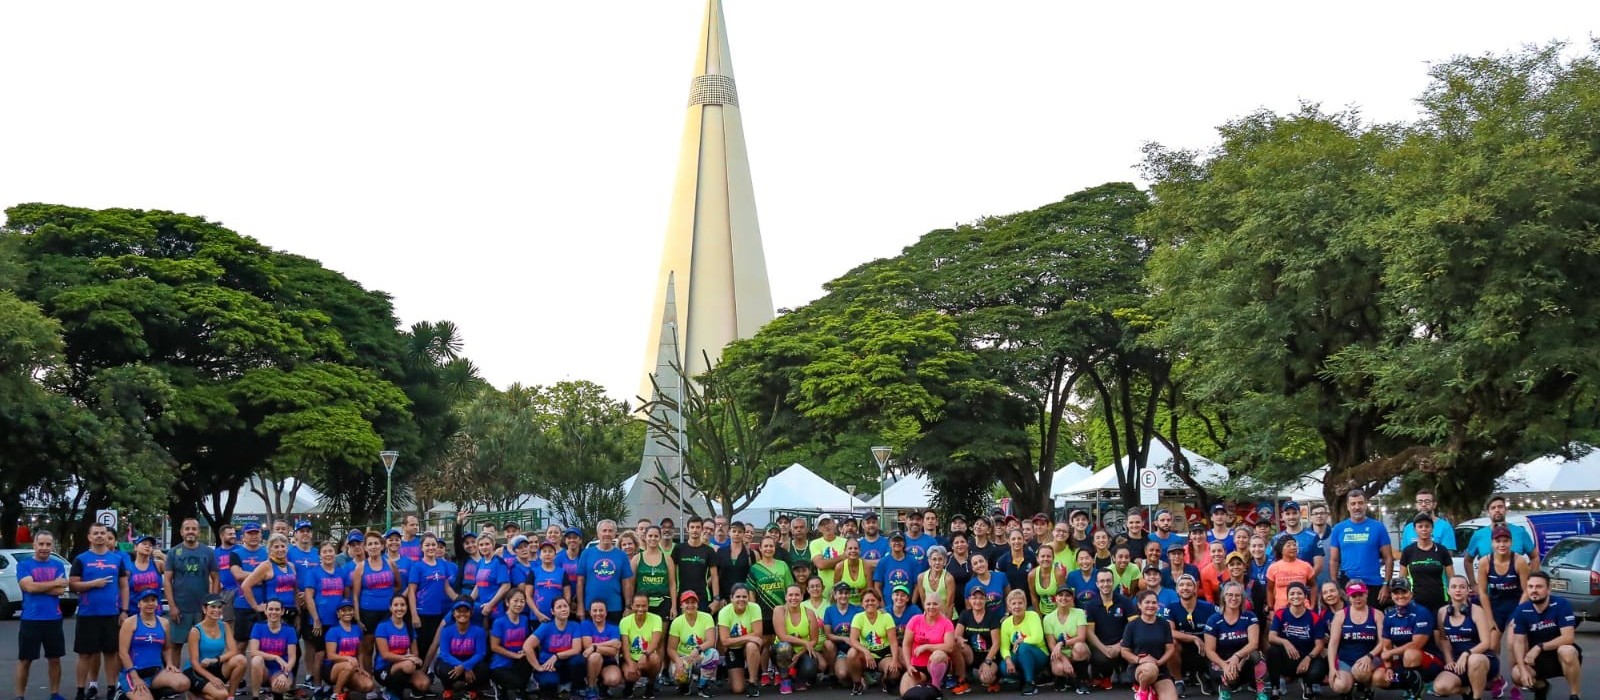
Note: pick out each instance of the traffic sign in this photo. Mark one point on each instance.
(107, 518)
(1149, 494)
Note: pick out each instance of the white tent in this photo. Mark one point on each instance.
(1553, 473)
(798, 488)
(911, 491)
(289, 496)
(1205, 471)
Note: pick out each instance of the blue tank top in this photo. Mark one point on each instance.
(211, 647)
(377, 586)
(283, 585)
(1464, 636)
(1357, 639)
(139, 581)
(1504, 589)
(147, 643)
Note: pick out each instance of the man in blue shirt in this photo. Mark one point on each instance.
(1359, 550)
(1294, 527)
(1189, 617)
(897, 569)
(1221, 527)
(605, 574)
(96, 576)
(1409, 629)
(42, 579)
(874, 545)
(410, 542)
(1163, 532)
(1482, 543)
(1544, 640)
(244, 559)
(1443, 534)
(917, 541)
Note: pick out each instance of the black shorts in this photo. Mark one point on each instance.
(733, 657)
(96, 634)
(244, 620)
(316, 641)
(1548, 665)
(36, 635)
(370, 619)
(198, 682)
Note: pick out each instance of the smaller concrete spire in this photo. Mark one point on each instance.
(644, 500)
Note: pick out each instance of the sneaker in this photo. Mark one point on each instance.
(961, 688)
(1105, 683)
(1030, 689)
(1082, 689)
(1307, 690)
(786, 687)
(751, 691)
(704, 692)
(92, 692)
(949, 682)
(56, 696)
(1262, 695)
(1204, 681)
(1182, 688)
(1224, 694)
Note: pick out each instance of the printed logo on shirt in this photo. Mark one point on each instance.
(463, 646)
(604, 569)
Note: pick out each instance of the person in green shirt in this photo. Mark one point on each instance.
(641, 635)
(769, 578)
(1023, 650)
(827, 550)
(692, 646)
(1067, 631)
(739, 634)
(1124, 575)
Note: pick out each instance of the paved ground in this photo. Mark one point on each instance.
(1588, 639)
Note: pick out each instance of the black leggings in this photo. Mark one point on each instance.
(1103, 665)
(427, 631)
(1245, 679)
(513, 678)
(1279, 665)
(1190, 660)
(480, 677)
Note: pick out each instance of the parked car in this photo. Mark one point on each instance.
(1574, 568)
(1546, 528)
(11, 592)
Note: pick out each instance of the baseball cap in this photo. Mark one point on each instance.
(302, 524)
(1232, 557)
(149, 593)
(146, 538)
(345, 603)
(1179, 549)
(354, 536)
(686, 595)
(870, 516)
(547, 543)
(1073, 514)
(518, 541)
(1500, 532)
(901, 588)
(1399, 583)
(958, 516)
(215, 602)
(1042, 518)
(251, 527)
(842, 586)
(461, 604)
(572, 532)
(1356, 588)
(1149, 569)
(897, 537)
(1422, 518)
(823, 517)
(1218, 508)
(1197, 526)
(469, 535)
(1291, 505)
(393, 532)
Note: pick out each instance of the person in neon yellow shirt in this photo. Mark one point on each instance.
(739, 634)
(1023, 650)
(1067, 630)
(873, 644)
(641, 636)
(826, 551)
(692, 645)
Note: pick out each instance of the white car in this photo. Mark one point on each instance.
(11, 592)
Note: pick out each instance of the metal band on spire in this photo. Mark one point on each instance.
(713, 90)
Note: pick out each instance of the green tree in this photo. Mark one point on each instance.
(724, 446)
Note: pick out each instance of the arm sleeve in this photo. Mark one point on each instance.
(77, 567)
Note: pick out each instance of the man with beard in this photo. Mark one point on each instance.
(1163, 532)
(226, 539)
(719, 533)
(693, 560)
(917, 541)
(1188, 617)
(1360, 550)
(1543, 640)
(874, 545)
(1294, 528)
(930, 526)
(1443, 534)
(1135, 539)
(1482, 545)
(1324, 533)
(190, 579)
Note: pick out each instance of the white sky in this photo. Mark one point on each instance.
(508, 165)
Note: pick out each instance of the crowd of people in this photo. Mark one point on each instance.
(985, 603)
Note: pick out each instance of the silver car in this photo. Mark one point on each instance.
(11, 592)
(1574, 568)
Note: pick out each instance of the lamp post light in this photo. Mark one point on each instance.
(388, 457)
(851, 506)
(880, 453)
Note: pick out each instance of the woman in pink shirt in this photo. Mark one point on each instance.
(1288, 569)
(930, 639)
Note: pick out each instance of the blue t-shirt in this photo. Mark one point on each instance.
(347, 642)
(892, 572)
(546, 586)
(917, 547)
(601, 633)
(41, 606)
(1360, 548)
(327, 588)
(1172, 539)
(511, 636)
(1168, 581)
(1190, 621)
(1227, 540)
(109, 567)
(1082, 583)
(873, 550)
(900, 620)
(569, 565)
(1301, 630)
(1482, 542)
(304, 559)
(411, 549)
(995, 590)
(1165, 597)
(399, 638)
(603, 573)
(838, 623)
(553, 640)
(1231, 636)
(275, 643)
(1541, 627)
(248, 559)
(431, 580)
(457, 648)
(1443, 534)
(378, 586)
(1400, 625)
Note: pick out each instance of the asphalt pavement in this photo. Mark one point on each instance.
(38, 680)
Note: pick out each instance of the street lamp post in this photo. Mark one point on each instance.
(880, 453)
(850, 507)
(388, 457)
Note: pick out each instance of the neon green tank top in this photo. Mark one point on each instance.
(857, 583)
(1045, 589)
(802, 630)
(653, 580)
(933, 591)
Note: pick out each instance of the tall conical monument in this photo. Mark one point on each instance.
(712, 288)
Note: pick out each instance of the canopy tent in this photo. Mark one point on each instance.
(1553, 474)
(798, 488)
(912, 491)
(289, 496)
(1205, 471)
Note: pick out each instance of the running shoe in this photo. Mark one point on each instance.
(1224, 694)
(1029, 689)
(751, 691)
(786, 687)
(1182, 688)
(961, 688)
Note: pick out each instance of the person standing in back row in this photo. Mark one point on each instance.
(1359, 550)
(191, 580)
(1443, 534)
(97, 578)
(43, 580)
(1482, 542)
(692, 561)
